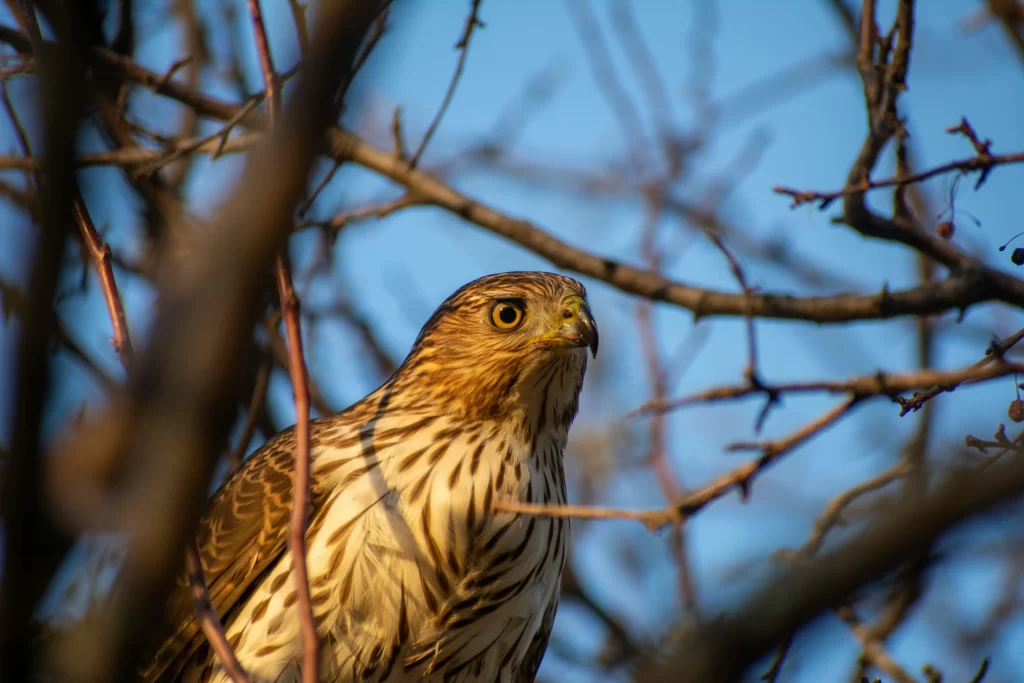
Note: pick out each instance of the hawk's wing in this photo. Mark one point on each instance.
(242, 533)
(535, 653)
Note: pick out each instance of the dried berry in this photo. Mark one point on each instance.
(1016, 411)
(946, 229)
(1017, 256)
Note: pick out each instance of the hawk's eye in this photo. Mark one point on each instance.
(506, 315)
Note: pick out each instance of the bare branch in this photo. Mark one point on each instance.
(100, 253)
(973, 283)
(724, 649)
(207, 618)
(874, 650)
(196, 371)
(300, 388)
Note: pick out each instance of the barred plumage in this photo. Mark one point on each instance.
(413, 575)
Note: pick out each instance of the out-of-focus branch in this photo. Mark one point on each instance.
(207, 618)
(874, 649)
(252, 413)
(723, 650)
(182, 403)
(608, 83)
(833, 513)
(472, 22)
(282, 356)
(214, 145)
(34, 545)
(1011, 17)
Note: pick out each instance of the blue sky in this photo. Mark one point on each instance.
(399, 268)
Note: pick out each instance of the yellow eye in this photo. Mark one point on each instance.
(506, 315)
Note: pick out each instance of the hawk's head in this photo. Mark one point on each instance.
(505, 342)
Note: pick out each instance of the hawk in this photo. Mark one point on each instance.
(414, 576)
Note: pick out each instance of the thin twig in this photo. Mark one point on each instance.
(221, 137)
(775, 668)
(379, 210)
(697, 499)
(608, 83)
(874, 650)
(658, 447)
(301, 478)
(259, 395)
(135, 156)
(864, 386)
(982, 164)
(750, 372)
(300, 388)
(463, 46)
(100, 253)
(833, 514)
(207, 618)
(652, 519)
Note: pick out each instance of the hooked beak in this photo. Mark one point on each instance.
(579, 329)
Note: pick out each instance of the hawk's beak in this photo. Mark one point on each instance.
(579, 328)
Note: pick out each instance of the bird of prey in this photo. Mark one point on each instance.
(414, 576)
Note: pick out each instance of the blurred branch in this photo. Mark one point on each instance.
(208, 620)
(1010, 15)
(187, 377)
(723, 650)
(608, 83)
(874, 649)
(626, 648)
(697, 499)
(34, 545)
(376, 210)
(833, 513)
(252, 413)
(778, 660)
(282, 356)
(463, 47)
(214, 145)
